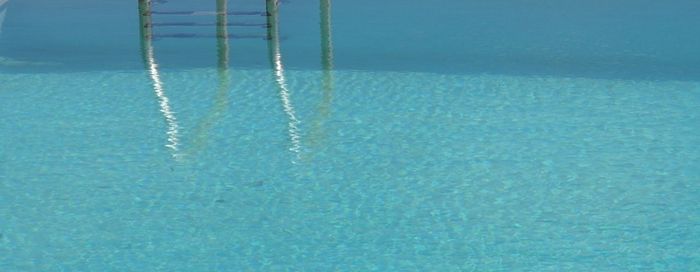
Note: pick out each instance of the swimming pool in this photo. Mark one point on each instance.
(349, 136)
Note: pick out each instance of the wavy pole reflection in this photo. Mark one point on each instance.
(221, 100)
(152, 67)
(278, 68)
(316, 133)
(3, 10)
(326, 46)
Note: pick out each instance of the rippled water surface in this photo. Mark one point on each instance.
(349, 136)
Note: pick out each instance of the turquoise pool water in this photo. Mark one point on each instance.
(436, 136)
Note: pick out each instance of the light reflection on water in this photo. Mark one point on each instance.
(150, 61)
(201, 131)
(284, 93)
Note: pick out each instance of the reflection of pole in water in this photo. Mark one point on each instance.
(222, 35)
(326, 39)
(326, 56)
(276, 60)
(221, 99)
(152, 67)
(327, 66)
(3, 10)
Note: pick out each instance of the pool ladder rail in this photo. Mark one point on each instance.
(146, 14)
(149, 59)
(222, 43)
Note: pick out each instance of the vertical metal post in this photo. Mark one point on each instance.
(272, 29)
(326, 38)
(222, 46)
(145, 29)
(222, 34)
(326, 55)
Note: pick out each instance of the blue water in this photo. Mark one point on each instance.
(441, 136)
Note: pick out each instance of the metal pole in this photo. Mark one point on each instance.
(222, 34)
(326, 39)
(145, 24)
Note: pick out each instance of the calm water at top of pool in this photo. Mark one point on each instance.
(444, 135)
